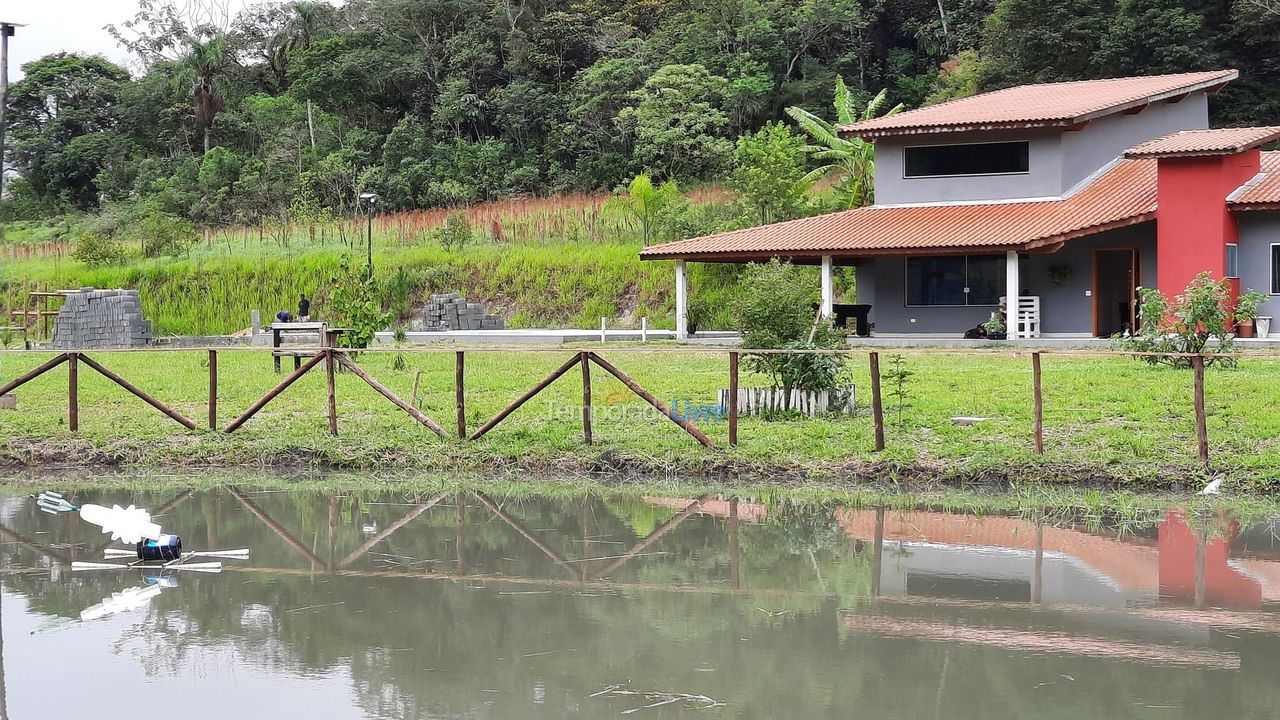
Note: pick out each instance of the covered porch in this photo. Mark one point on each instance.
(925, 278)
(1073, 263)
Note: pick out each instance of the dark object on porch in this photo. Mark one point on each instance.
(981, 333)
(858, 313)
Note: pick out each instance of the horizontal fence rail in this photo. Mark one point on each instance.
(337, 357)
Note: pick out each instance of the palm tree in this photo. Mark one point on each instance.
(647, 203)
(305, 21)
(853, 158)
(205, 63)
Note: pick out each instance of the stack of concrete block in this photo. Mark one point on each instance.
(450, 311)
(92, 318)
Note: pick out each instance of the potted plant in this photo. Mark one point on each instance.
(1246, 311)
(995, 327)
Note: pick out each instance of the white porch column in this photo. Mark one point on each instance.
(682, 302)
(1012, 293)
(828, 292)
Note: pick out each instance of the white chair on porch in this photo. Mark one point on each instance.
(1027, 322)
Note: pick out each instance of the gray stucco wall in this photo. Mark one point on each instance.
(1065, 308)
(1084, 151)
(1258, 229)
(1058, 160)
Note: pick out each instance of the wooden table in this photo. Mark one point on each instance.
(328, 338)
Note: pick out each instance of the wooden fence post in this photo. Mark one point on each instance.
(733, 398)
(586, 398)
(877, 406)
(459, 392)
(213, 389)
(1202, 427)
(73, 391)
(1039, 402)
(332, 391)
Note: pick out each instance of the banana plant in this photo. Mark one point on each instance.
(852, 158)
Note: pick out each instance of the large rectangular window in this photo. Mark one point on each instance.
(969, 159)
(955, 280)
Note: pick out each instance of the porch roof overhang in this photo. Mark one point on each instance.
(1124, 195)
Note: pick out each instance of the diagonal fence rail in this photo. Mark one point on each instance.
(333, 358)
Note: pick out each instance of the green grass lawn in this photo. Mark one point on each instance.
(1108, 420)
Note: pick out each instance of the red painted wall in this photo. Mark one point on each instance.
(1224, 586)
(1193, 225)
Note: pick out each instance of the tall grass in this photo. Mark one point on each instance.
(563, 261)
(532, 285)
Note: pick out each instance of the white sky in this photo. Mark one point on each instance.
(64, 25)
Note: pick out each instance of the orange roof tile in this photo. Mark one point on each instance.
(1125, 195)
(1190, 143)
(1262, 192)
(1046, 105)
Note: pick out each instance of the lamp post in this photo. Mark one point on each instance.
(369, 199)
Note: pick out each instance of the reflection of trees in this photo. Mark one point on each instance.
(417, 645)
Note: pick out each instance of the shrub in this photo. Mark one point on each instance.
(98, 249)
(162, 233)
(773, 309)
(1187, 325)
(356, 304)
(456, 231)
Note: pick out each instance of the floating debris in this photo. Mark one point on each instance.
(656, 698)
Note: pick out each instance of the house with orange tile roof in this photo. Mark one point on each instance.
(1068, 196)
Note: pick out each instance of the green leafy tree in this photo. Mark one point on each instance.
(63, 119)
(677, 122)
(851, 158)
(161, 233)
(1153, 36)
(774, 309)
(355, 297)
(769, 172)
(1188, 324)
(957, 78)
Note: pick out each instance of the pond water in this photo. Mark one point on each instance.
(397, 605)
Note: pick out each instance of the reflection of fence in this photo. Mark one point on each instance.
(333, 357)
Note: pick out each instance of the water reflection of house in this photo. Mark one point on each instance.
(1003, 558)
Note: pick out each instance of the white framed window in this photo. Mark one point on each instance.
(1233, 260)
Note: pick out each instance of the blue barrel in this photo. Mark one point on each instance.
(168, 547)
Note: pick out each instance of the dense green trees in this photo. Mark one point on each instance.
(429, 102)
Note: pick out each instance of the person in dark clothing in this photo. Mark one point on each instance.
(284, 316)
(304, 309)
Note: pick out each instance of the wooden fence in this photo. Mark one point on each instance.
(582, 359)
